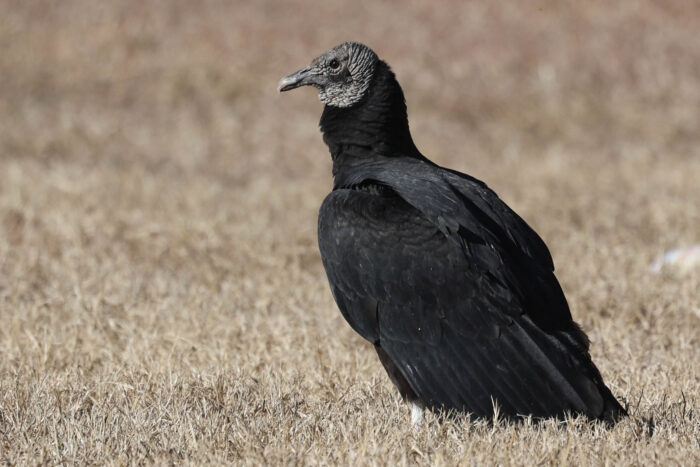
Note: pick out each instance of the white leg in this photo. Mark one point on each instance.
(416, 414)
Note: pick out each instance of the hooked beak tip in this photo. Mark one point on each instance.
(286, 83)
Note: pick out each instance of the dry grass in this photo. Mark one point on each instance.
(161, 294)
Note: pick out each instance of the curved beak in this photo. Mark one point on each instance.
(302, 77)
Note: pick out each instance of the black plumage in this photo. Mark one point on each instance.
(456, 292)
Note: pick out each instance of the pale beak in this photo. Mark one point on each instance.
(303, 77)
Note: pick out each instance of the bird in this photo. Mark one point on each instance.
(455, 291)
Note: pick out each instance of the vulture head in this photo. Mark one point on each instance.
(342, 75)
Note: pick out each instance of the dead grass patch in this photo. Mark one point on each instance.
(161, 294)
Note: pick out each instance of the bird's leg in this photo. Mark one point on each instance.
(416, 413)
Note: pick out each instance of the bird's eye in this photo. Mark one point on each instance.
(334, 64)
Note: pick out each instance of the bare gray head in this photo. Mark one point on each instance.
(342, 75)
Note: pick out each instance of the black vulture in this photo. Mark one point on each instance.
(456, 291)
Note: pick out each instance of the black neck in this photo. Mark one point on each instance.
(375, 127)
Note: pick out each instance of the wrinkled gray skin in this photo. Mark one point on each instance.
(342, 75)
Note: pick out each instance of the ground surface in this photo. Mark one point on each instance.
(161, 293)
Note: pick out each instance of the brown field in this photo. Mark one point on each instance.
(162, 297)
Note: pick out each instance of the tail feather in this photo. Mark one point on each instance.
(613, 412)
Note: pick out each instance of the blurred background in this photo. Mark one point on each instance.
(158, 198)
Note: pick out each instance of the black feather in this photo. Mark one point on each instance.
(454, 289)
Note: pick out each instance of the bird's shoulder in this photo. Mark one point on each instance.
(459, 205)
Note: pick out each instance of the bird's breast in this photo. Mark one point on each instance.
(372, 242)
